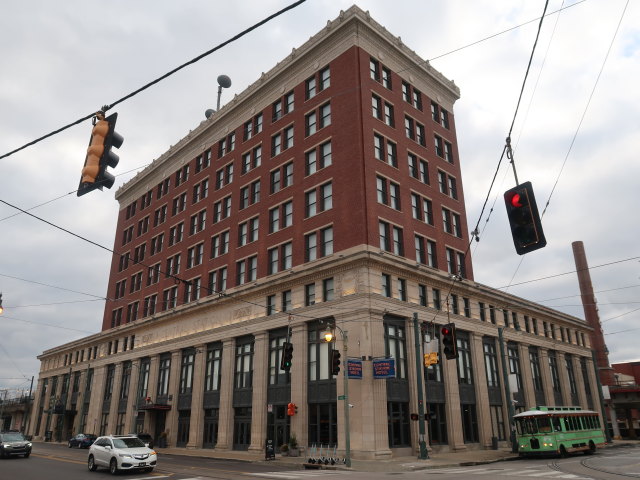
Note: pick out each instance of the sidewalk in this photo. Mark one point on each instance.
(397, 464)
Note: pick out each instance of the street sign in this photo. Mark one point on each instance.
(342, 397)
(384, 368)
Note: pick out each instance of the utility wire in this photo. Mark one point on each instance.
(99, 297)
(159, 79)
(586, 108)
(47, 325)
(67, 194)
(567, 273)
(504, 31)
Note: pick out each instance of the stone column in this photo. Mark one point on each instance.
(527, 376)
(196, 427)
(299, 382)
(370, 418)
(115, 399)
(259, 391)
(226, 413)
(452, 406)
(545, 371)
(577, 371)
(35, 410)
(152, 391)
(79, 402)
(132, 399)
(564, 378)
(174, 386)
(97, 395)
(481, 390)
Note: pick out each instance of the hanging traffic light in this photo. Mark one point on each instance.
(524, 219)
(292, 409)
(335, 362)
(434, 358)
(448, 339)
(99, 155)
(287, 356)
(427, 359)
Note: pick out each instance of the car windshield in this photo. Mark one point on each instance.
(129, 442)
(12, 437)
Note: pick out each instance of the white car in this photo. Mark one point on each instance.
(121, 452)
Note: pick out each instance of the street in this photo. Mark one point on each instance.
(57, 462)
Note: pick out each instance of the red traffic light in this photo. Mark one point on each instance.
(515, 200)
(524, 219)
(445, 331)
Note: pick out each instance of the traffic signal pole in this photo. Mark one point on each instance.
(347, 435)
(424, 455)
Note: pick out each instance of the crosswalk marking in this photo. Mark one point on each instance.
(293, 475)
(511, 472)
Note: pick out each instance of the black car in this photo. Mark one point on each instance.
(82, 440)
(14, 443)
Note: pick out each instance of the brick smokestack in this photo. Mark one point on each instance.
(591, 314)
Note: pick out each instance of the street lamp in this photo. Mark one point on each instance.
(329, 337)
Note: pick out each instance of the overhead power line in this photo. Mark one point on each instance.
(159, 79)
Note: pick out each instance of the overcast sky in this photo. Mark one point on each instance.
(60, 61)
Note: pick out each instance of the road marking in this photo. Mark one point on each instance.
(510, 472)
(295, 474)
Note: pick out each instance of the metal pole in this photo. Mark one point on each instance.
(507, 391)
(347, 437)
(603, 410)
(419, 376)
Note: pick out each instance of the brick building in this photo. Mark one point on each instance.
(328, 193)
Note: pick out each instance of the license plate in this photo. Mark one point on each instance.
(142, 464)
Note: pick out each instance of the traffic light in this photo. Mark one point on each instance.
(335, 362)
(434, 358)
(99, 155)
(448, 339)
(524, 219)
(292, 409)
(287, 356)
(430, 359)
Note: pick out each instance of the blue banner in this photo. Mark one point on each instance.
(384, 368)
(354, 368)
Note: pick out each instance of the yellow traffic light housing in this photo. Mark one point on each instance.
(99, 155)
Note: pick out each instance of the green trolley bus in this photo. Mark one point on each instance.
(558, 430)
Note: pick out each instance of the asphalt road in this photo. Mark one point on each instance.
(57, 462)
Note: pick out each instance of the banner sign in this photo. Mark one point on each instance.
(354, 368)
(384, 368)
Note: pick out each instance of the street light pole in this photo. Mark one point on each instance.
(420, 375)
(329, 337)
(347, 436)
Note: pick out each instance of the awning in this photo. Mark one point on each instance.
(154, 406)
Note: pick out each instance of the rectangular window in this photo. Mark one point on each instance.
(309, 294)
(386, 285)
(327, 290)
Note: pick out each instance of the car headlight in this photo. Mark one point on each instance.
(29, 445)
(124, 455)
